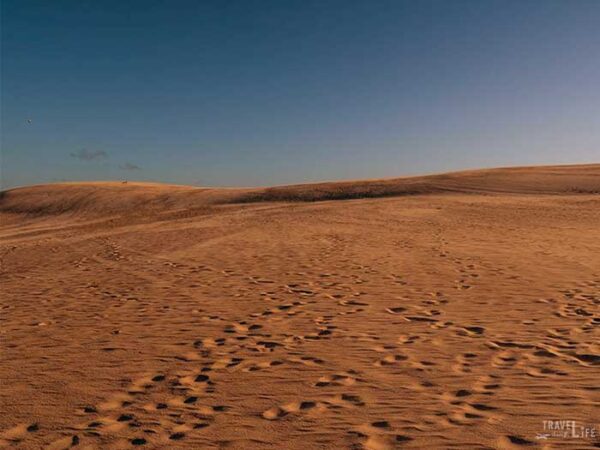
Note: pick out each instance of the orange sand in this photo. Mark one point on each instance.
(448, 311)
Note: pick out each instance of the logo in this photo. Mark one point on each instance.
(567, 429)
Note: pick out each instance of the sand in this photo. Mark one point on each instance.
(450, 311)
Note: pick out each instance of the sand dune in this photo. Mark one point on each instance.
(457, 310)
(119, 197)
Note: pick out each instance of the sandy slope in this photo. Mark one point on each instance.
(101, 198)
(459, 316)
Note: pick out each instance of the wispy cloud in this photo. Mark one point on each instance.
(88, 155)
(129, 166)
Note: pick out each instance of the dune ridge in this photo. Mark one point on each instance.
(119, 197)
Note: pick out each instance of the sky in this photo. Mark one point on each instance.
(266, 92)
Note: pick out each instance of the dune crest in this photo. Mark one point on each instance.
(118, 197)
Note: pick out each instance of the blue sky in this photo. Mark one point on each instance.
(239, 93)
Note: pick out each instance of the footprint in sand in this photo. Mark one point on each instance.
(464, 362)
(290, 408)
(378, 435)
(262, 365)
(307, 360)
(17, 433)
(396, 309)
(340, 379)
(471, 331)
(308, 406)
(389, 360)
(513, 442)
